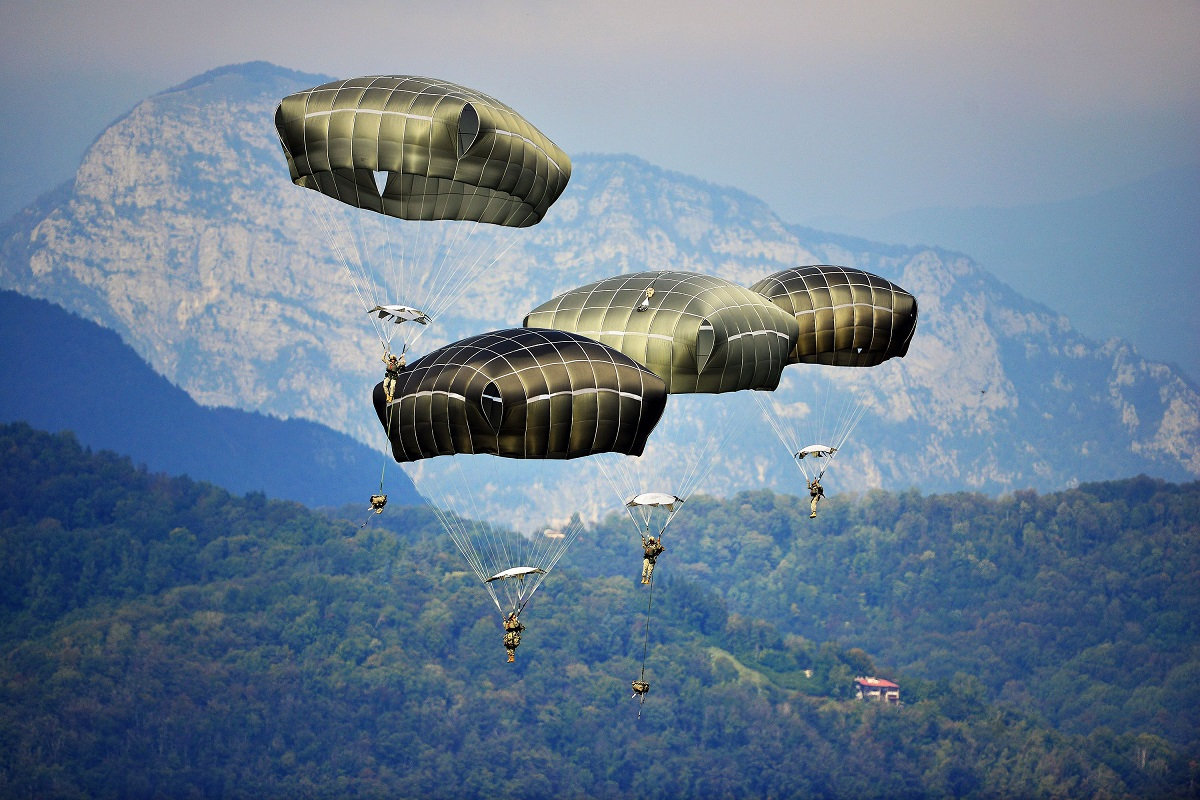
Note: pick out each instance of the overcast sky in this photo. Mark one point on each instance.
(828, 111)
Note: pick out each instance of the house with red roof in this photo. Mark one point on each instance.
(878, 689)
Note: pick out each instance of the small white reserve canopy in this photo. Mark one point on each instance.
(816, 451)
(658, 499)
(516, 572)
(399, 314)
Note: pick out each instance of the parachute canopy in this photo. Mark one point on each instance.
(420, 149)
(516, 572)
(816, 451)
(400, 314)
(522, 393)
(847, 317)
(645, 507)
(655, 499)
(698, 332)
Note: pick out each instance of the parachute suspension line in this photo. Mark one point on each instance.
(369, 228)
(390, 258)
(391, 410)
(835, 434)
(480, 262)
(788, 436)
(432, 272)
(624, 482)
(417, 268)
(646, 638)
(774, 416)
(645, 651)
(546, 557)
(520, 591)
(472, 262)
(338, 233)
(569, 536)
(698, 470)
(460, 530)
(621, 480)
(489, 550)
(489, 546)
(848, 419)
(703, 465)
(397, 254)
(459, 533)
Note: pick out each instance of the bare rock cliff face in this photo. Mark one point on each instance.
(183, 233)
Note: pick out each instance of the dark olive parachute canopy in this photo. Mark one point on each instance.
(439, 151)
(698, 332)
(847, 317)
(522, 393)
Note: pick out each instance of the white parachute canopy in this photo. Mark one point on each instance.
(659, 499)
(400, 314)
(516, 572)
(816, 451)
(644, 507)
(515, 584)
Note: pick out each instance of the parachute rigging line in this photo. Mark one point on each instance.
(489, 550)
(646, 644)
(389, 260)
(830, 429)
(628, 476)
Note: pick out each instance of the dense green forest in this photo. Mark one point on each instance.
(163, 638)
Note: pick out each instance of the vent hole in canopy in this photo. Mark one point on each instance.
(468, 129)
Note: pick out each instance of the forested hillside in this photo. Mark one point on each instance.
(162, 637)
(1083, 604)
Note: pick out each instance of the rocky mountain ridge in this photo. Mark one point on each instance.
(183, 233)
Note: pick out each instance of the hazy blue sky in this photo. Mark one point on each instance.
(825, 110)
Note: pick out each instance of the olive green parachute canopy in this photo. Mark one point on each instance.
(847, 317)
(522, 393)
(698, 332)
(420, 149)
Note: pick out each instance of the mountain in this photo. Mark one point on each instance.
(182, 233)
(62, 372)
(163, 638)
(1136, 246)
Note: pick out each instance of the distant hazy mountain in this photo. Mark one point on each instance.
(182, 233)
(65, 373)
(1116, 262)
